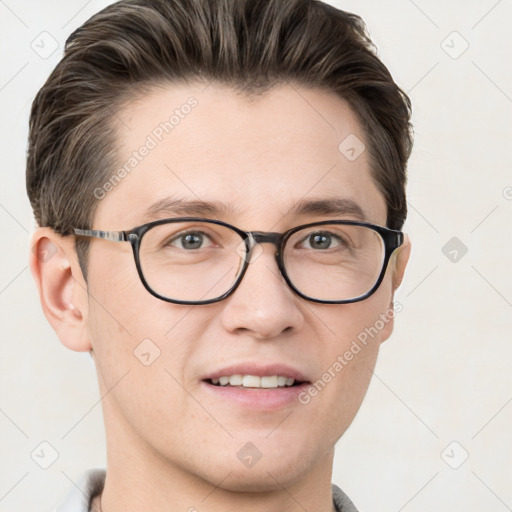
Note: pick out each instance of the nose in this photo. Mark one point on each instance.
(263, 305)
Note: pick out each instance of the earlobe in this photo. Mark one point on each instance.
(62, 291)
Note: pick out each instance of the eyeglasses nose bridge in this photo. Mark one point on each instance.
(262, 237)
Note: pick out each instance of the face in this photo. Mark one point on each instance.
(258, 159)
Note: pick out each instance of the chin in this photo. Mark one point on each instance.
(265, 479)
(269, 473)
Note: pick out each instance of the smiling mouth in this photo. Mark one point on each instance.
(254, 381)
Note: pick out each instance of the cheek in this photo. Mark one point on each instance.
(349, 356)
(366, 323)
(130, 329)
(142, 350)
(120, 305)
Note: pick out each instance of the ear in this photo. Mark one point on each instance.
(61, 286)
(397, 266)
(399, 261)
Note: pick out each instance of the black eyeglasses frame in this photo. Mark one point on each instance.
(392, 240)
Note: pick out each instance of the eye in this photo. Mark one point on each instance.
(190, 241)
(322, 241)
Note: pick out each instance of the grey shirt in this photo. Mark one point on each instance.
(80, 497)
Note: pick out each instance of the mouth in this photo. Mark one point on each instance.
(256, 386)
(254, 381)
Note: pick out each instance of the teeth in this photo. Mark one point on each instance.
(235, 380)
(253, 381)
(269, 382)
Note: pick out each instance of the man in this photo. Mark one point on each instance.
(221, 185)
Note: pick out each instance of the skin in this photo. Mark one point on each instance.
(170, 445)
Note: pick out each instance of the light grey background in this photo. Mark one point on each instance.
(442, 387)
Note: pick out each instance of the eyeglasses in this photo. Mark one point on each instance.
(197, 261)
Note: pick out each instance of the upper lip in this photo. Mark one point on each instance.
(257, 369)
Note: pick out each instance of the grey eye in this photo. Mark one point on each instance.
(190, 240)
(322, 241)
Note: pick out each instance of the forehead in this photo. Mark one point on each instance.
(255, 159)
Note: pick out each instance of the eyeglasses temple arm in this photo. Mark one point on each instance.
(114, 236)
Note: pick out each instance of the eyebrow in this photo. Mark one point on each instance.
(177, 206)
(334, 206)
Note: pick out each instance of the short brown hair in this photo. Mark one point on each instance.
(248, 45)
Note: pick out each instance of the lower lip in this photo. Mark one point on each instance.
(257, 398)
